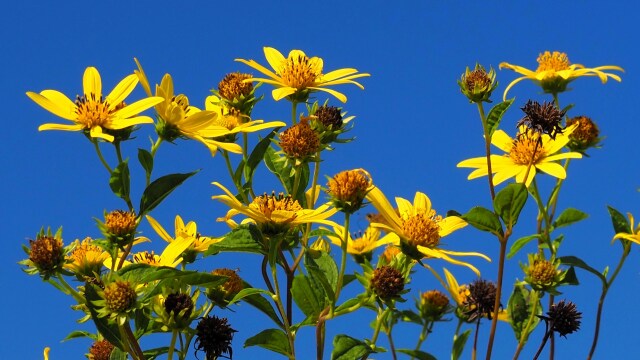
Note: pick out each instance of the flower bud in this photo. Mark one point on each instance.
(477, 85)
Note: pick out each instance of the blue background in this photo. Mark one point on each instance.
(412, 127)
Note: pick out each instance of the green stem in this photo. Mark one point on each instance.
(496, 306)
(487, 142)
(102, 160)
(427, 327)
(475, 339)
(343, 259)
(294, 105)
(379, 320)
(227, 161)
(542, 212)
(280, 306)
(172, 345)
(525, 331)
(127, 199)
(305, 237)
(154, 149)
(296, 180)
(79, 298)
(605, 289)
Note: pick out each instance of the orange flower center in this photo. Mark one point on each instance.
(553, 62)
(87, 253)
(300, 72)
(93, 111)
(267, 204)
(422, 229)
(525, 148)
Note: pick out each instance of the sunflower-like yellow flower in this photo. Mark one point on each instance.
(85, 258)
(459, 294)
(633, 236)
(274, 212)
(555, 72)
(235, 122)
(92, 112)
(297, 75)
(519, 153)
(179, 119)
(182, 230)
(416, 226)
(363, 245)
(170, 256)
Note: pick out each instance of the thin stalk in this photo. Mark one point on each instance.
(124, 255)
(487, 142)
(379, 319)
(154, 149)
(265, 276)
(305, 237)
(391, 345)
(496, 305)
(71, 290)
(544, 342)
(294, 105)
(605, 290)
(125, 342)
(133, 342)
(427, 327)
(475, 339)
(525, 331)
(227, 161)
(552, 342)
(102, 160)
(172, 345)
(343, 259)
(119, 154)
(296, 180)
(283, 314)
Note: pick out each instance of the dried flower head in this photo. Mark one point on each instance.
(585, 136)
(477, 85)
(329, 116)
(481, 299)
(46, 254)
(225, 292)
(233, 86)
(100, 350)
(180, 304)
(348, 189)
(542, 119)
(299, 141)
(563, 318)
(213, 336)
(387, 282)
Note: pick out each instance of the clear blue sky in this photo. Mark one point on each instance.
(412, 127)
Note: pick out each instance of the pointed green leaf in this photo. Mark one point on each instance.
(520, 243)
(418, 354)
(323, 268)
(483, 219)
(257, 155)
(619, 222)
(159, 189)
(577, 262)
(271, 339)
(570, 278)
(496, 113)
(259, 302)
(348, 348)
(523, 307)
(143, 273)
(309, 295)
(509, 202)
(458, 344)
(244, 238)
(117, 354)
(146, 160)
(120, 180)
(79, 334)
(109, 331)
(152, 354)
(568, 217)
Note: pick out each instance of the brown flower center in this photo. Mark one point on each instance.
(477, 79)
(120, 222)
(299, 141)
(543, 272)
(119, 296)
(93, 111)
(233, 85)
(555, 61)
(526, 147)
(300, 71)
(422, 229)
(586, 132)
(350, 186)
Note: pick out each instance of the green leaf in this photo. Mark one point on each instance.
(117, 354)
(246, 292)
(418, 354)
(120, 180)
(483, 219)
(257, 154)
(276, 165)
(348, 348)
(309, 295)
(323, 268)
(259, 302)
(271, 339)
(151, 354)
(109, 331)
(577, 262)
(496, 113)
(410, 316)
(159, 189)
(520, 243)
(619, 222)
(568, 217)
(570, 278)
(509, 202)
(79, 334)
(520, 309)
(244, 238)
(458, 344)
(146, 160)
(143, 273)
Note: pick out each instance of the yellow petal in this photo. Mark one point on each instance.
(275, 58)
(282, 92)
(96, 132)
(159, 229)
(502, 141)
(338, 95)
(138, 107)
(142, 77)
(75, 127)
(553, 169)
(56, 103)
(92, 84)
(122, 90)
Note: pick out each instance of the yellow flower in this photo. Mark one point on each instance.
(85, 258)
(46, 353)
(363, 245)
(276, 212)
(416, 226)
(297, 75)
(188, 231)
(518, 156)
(555, 71)
(178, 118)
(634, 235)
(92, 111)
(235, 122)
(170, 256)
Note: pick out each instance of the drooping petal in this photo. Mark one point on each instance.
(282, 92)
(142, 77)
(338, 95)
(96, 132)
(553, 169)
(380, 202)
(64, 127)
(159, 229)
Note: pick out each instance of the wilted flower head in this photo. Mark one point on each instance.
(585, 136)
(179, 304)
(46, 254)
(225, 292)
(348, 189)
(100, 350)
(481, 299)
(477, 85)
(387, 282)
(563, 318)
(299, 142)
(542, 119)
(329, 116)
(213, 336)
(433, 305)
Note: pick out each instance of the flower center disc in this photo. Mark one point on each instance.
(523, 150)
(300, 72)
(555, 61)
(267, 204)
(92, 111)
(422, 230)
